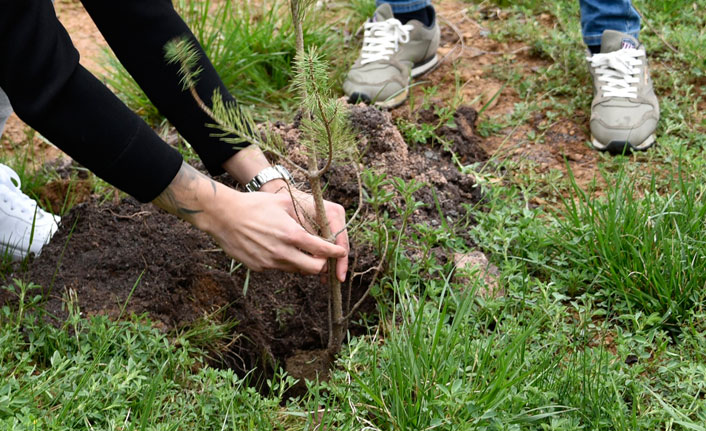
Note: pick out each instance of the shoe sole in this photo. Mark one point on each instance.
(397, 99)
(622, 147)
(425, 67)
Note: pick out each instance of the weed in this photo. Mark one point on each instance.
(647, 249)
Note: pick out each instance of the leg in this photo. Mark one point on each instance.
(600, 15)
(407, 10)
(5, 110)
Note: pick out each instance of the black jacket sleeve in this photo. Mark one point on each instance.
(137, 31)
(51, 92)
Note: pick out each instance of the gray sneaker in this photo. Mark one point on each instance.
(625, 110)
(392, 52)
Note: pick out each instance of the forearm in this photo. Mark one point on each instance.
(190, 196)
(137, 31)
(52, 93)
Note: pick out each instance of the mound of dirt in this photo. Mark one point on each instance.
(104, 252)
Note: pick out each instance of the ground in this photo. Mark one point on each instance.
(101, 251)
(125, 257)
(510, 298)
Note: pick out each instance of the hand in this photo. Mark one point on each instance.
(305, 214)
(248, 162)
(254, 228)
(259, 230)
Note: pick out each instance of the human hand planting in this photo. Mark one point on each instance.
(258, 229)
(301, 207)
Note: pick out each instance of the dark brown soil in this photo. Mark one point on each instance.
(179, 275)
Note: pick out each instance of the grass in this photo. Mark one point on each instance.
(98, 374)
(251, 46)
(602, 326)
(648, 249)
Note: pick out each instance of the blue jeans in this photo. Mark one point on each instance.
(596, 16)
(404, 6)
(599, 15)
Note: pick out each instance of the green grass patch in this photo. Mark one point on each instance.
(251, 46)
(98, 374)
(648, 249)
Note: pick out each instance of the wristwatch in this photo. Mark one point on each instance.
(266, 175)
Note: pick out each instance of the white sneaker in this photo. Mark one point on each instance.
(24, 227)
(9, 177)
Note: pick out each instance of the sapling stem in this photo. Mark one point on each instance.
(325, 135)
(337, 327)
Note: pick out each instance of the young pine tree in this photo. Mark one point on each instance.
(325, 137)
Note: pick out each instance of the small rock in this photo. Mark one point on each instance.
(431, 155)
(477, 263)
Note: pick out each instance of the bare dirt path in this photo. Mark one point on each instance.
(468, 55)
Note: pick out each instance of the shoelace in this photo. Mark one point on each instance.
(382, 39)
(618, 71)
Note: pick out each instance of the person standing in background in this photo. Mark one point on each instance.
(401, 39)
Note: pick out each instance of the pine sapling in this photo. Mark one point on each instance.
(325, 137)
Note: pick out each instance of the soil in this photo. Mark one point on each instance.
(124, 257)
(469, 54)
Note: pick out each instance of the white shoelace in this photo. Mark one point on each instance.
(618, 71)
(382, 39)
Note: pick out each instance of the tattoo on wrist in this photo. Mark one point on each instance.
(175, 198)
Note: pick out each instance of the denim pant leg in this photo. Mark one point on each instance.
(599, 15)
(5, 110)
(404, 6)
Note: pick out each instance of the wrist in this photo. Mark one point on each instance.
(246, 163)
(274, 186)
(191, 196)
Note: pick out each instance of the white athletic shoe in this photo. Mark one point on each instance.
(24, 227)
(625, 110)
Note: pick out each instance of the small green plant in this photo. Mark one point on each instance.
(326, 139)
(648, 248)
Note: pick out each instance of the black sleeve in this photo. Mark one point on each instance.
(52, 93)
(137, 31)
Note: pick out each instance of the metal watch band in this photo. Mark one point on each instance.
(266, 175)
